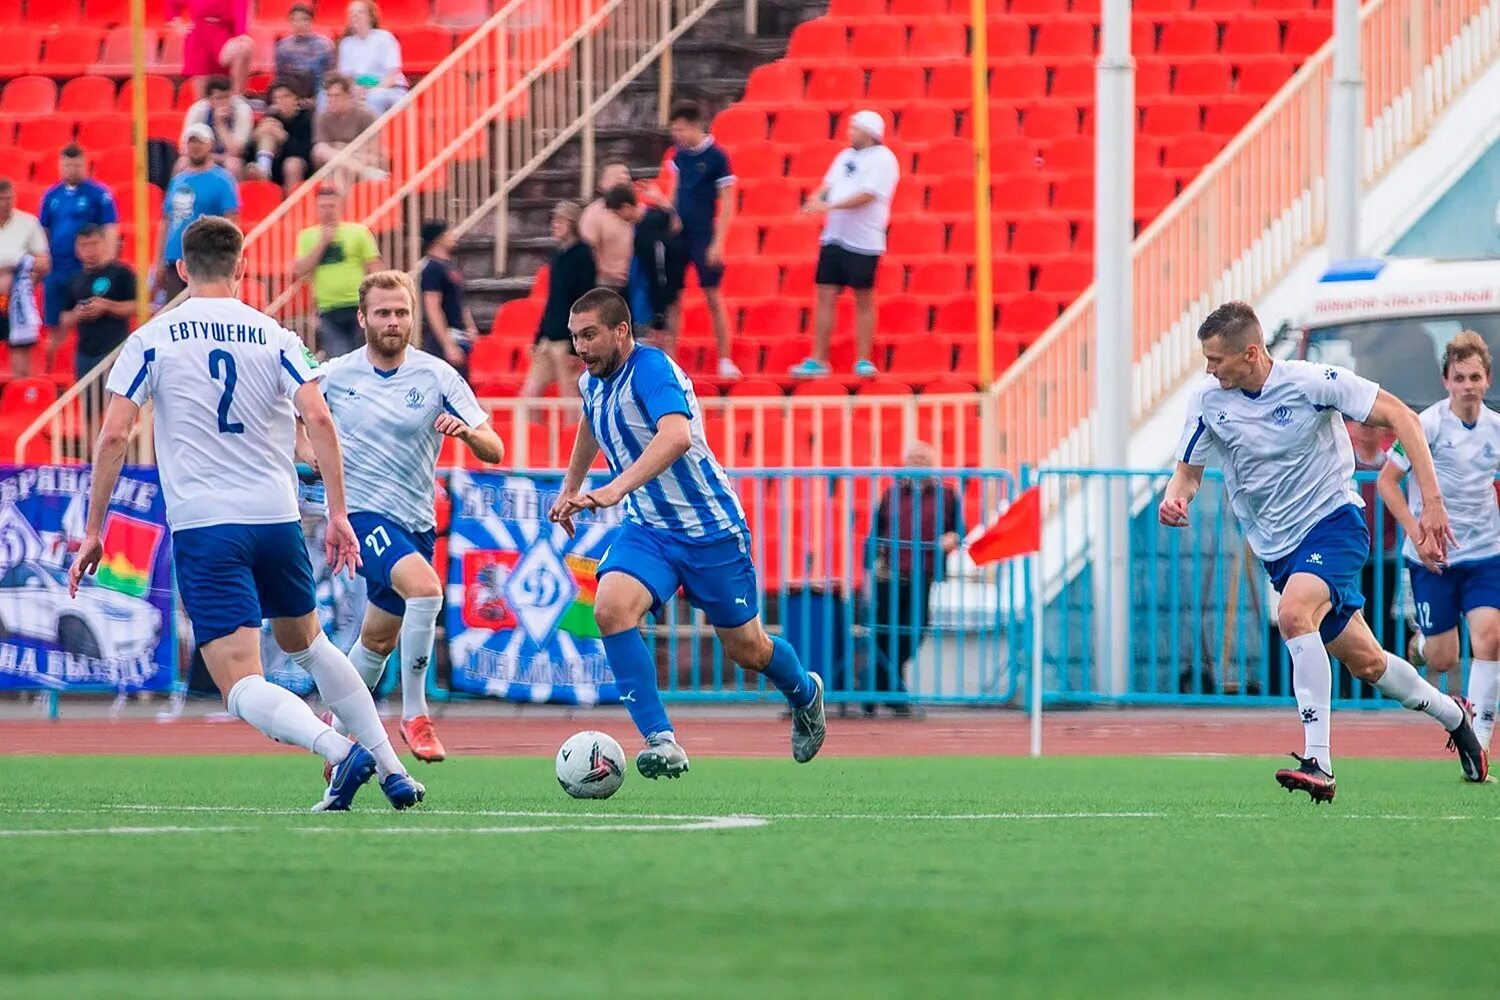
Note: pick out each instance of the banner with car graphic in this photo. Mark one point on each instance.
(117, 632)
(520, 611)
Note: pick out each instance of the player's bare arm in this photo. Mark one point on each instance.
(1435, 534)
(585, 450)
(482, 440)
(1388, 486)
(672, 440)
(109, 457)
(1181, 489)
(341, 544)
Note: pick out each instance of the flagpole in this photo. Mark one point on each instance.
(1038, 609)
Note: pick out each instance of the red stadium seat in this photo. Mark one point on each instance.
(1306, 33)
(1143, 37)
(1152, 77)
(901, 316)
(835, 86)
(114, 167)
(947, 156)
(771, 198)
(856, 9)
(798, 125)
(1286, 6)
(772, 318)
(1251, 35)
(797, 281)
(28, 96)
(1074, 81)
(1041, 236)
(933, 38)
(257, 200)
(1263, 76)
(1201, 78)
(1068, 276)
(952, 196)
(1007, 38)
(117, 57)
(954, 317)
(896, 84)
(938, 278)
(1226, 116)
(1050, 120)
(165, 125)
(161, 95)
(1072, 154)
(1074, 194)
(821, 40)
(1030, 313)
(810, 163)
(961, 239)
(1005, 122)
(737, 124)
(923, 123)
(1009, 275)
(448, 13)
(1064, 38)
(1153, 192)
(24, 399)
(1171, 118)
(23, 50)
(951, 83)
(1189, 36)
(1019, 193)
(915, 10)
(793, 239)
(917, 237)
(918, 359)
(875, 41)
(45, 135)
(911, 197)
(87, 96)
(1017, 80)
(422, 48)
(750, 279)
(71, 53)
(778, 84)
(1161, 6)
(757, 159)
(1186, 156)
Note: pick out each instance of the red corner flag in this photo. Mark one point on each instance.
(1017, 533)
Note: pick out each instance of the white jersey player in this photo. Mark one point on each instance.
(224, 379)
(393, 404)
(1464, 436)
(1277, 429)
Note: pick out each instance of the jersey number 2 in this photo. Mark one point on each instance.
(221, 369)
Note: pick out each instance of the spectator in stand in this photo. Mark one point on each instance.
(372, 57)
(24, 259)
(340, 123)
(856, 198)
(304, 57)
(202, 188)
(229, 120)
(283, 140)
(337, 255)
(917, 523)
(218, 42)
(98, 300)
(74, 202)
(612, 241)
(660, 261)
(705, 204)
(450, 329)
(570, 274)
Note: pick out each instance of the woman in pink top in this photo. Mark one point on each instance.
(219, 41)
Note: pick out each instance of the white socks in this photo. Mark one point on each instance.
(344, 692)
(371, 667)
(1402, 682)
(284, 717)
(418, 626)
(1484, 690)
(1312, 679)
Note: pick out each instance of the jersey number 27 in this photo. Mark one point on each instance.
(221, 369)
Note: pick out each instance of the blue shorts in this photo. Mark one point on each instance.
(231, 576)
(696, 246)
(1334, 551)
(382, 544)
(53, 288)
(1460, 588)
(718, 576)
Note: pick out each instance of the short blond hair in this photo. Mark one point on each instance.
(390, 281)
(1466, 345)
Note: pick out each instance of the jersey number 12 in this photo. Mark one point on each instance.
(221, 369)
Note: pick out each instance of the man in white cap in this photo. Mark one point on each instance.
(201, 187)
(856, 198)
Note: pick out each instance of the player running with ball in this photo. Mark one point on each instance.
(1464, 436)
(1277, 429)
(225, 379)
(683, 527)
(393, 404)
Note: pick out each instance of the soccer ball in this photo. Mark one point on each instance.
(590, 765)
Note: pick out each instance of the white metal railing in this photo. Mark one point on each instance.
(1244, 221)
(511, 94)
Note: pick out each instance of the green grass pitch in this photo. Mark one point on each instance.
(876, 877)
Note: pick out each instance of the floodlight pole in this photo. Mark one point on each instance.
(1345, 124)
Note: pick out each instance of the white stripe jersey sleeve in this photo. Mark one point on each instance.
(1196, 445)
(1334, 387)
(459, 398)
(1432, 419)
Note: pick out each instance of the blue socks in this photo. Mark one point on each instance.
(787, 673)
(635, 675)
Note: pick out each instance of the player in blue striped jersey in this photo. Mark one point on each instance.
(683, 527)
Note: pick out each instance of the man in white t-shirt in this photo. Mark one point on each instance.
(228, 383)
(856, 198)
(24, 259)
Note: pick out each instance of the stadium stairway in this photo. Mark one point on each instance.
(1204, 68)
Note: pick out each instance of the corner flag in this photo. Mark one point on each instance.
(1017, 533)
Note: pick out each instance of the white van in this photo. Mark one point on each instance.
(1390, 319)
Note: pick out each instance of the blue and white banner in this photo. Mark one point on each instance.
(118, 631)
(521, 593)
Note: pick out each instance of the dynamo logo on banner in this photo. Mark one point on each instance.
(524, 629)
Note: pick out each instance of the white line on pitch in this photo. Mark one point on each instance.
(128, 831)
